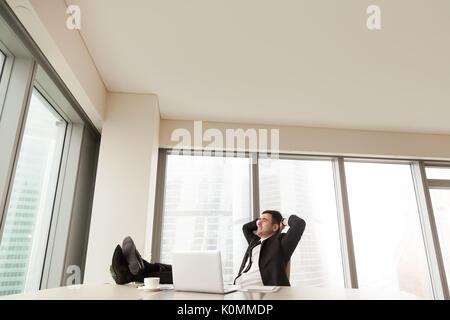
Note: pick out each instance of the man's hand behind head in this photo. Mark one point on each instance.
(283, 224)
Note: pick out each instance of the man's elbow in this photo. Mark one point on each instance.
(303, 225)
(294, 220)
(297, 222)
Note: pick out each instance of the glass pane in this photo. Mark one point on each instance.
(387, 235)
(438, 173)
(306, 188)
(441, 208)
(25, 234)
(207, 200)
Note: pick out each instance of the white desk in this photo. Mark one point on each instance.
(130, 292)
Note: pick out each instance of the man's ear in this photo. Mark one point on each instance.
(277, 227)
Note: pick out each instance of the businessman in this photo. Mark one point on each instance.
(269, 249)
(267, 245)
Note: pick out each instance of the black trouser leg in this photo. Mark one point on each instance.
(160, 270)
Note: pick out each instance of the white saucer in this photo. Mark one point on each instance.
(149, 289)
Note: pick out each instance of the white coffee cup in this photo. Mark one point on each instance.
(151, 283)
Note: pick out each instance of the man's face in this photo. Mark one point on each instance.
(265, 226)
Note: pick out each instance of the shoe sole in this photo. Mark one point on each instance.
(117, 278)
(131, 254)
(117, 274)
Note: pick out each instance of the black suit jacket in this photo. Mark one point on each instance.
(276, 251)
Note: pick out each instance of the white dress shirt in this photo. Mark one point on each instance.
(252, 277)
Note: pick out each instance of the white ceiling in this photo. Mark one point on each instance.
(296, 62)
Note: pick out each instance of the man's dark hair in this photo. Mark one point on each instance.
(276, 216)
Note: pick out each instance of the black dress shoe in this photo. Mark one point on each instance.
(132, 256)
(120, 272)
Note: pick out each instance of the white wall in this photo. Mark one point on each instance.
(324, 141)
(126, 176)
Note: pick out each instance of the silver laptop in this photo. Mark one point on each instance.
(199, 271)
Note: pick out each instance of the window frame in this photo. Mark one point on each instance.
(423, 187)
(163, 153)
(13, 175)
(16, 88)
(55, 262)
(5, 73)
(343, 217)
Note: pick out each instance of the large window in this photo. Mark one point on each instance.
(207, 200)
(306, 189)
(387, 235)
(25, 234)
(367, 221)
